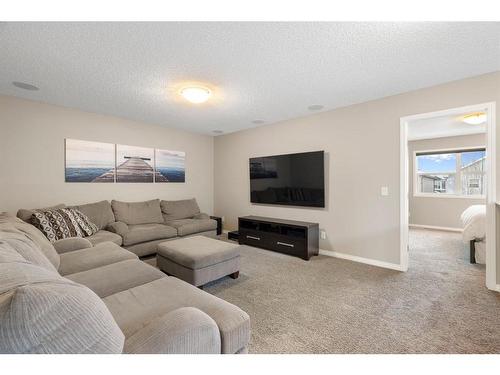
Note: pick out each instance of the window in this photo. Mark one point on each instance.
(450, 173)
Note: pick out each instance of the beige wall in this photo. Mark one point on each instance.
(362, 146)
(436, 211)
(32, 157)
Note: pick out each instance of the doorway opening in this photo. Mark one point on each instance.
(448, 186)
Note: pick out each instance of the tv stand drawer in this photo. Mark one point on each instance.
(289, 246)
(253, 238)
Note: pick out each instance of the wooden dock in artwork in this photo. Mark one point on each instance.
(134, 169)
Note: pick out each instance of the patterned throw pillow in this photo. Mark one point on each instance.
(88, 227)
(57, 224)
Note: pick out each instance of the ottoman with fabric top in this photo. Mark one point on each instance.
(198, 259)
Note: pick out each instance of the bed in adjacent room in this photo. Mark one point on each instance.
(474, 232)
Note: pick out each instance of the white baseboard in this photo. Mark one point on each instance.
(448, 229)
(354, 258)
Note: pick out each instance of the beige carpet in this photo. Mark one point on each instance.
(329, 305)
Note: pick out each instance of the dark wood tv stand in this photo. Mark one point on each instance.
(291, 237)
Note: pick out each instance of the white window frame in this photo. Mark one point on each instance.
(457, 173)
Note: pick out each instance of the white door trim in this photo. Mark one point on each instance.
(491, 188)
(491, 240)
(404, 210)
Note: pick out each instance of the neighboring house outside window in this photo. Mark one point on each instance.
(440, 186)
(451, 173)
(473, 173)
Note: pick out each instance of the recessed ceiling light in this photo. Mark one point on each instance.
(196, 94)
(25, 86)
(315, 107)
(258, 122)
(217, 131)
(475, 118)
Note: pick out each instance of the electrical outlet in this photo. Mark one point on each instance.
(322, 234)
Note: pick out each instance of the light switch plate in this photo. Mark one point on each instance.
(384, 191)
(322, 234)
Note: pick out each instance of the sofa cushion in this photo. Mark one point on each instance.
(105, 236)
(147, 232)
(183, 331)
(86, 259)
(118, 227)
(198, 251)
(117, 277)
(35, 235)
(190, 226)
(182, 209)
(148, 212)
(71, 244)
(25, 214)
(42, 312)
(100, 213)
(9, 255)
(25, 247)
(136, 307)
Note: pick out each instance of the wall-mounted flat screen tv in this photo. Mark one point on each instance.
(292, 179)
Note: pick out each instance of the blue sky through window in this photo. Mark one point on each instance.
(437, 163)
(469, 157)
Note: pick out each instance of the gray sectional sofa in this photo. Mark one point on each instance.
(140, 226)
(89, 295)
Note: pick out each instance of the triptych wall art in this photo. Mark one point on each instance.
(107, 163)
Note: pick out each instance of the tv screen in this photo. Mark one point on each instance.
(292, 179)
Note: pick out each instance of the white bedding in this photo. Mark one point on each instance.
(474, 223)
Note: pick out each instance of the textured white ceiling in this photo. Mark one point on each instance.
(260, 71)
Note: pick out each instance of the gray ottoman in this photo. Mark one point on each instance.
(199, 259)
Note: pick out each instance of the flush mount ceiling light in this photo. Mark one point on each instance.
(196, 94)
(258, 122)
(25, 86)
(475, 118)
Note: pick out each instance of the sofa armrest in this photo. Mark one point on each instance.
(71, 244)
(186, 330)
(118, 227)
(201, 216)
